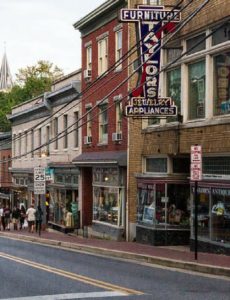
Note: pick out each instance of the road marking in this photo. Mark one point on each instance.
(91, 295)
(81, 278)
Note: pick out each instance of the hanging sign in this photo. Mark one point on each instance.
(153, 22)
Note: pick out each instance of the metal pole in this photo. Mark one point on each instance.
(196, 219)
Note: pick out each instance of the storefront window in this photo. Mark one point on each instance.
(174, 89)
(163, 204)
(222, 84)
(220, 215)
(196, 90)
(106, 176)
(193, 41)
(107, 205)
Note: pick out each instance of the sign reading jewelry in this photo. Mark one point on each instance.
(153, 22)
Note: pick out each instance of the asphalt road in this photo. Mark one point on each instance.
(37, 272)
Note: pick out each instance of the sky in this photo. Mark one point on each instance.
(33, 30)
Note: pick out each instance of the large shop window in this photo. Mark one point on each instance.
(222, 84)
(107, 205)
(174, 89)
(213, 214)
(165, 205)
(196, 90)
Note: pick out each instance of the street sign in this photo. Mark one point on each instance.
(39, 187)
(196, 163)
(39, 174)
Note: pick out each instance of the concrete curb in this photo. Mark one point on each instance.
(161, 261)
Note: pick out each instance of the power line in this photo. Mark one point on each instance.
(63, 133)
(128, 53)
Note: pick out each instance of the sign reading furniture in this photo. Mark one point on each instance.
(153, 22)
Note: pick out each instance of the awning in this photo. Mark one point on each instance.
(88, 159)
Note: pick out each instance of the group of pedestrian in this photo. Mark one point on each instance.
(20, 217)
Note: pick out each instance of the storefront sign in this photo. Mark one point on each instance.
(153, 21)
(196, 163)
(49, 174)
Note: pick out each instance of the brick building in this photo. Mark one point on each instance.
(159, 165)
(103, 161)
(5, 176)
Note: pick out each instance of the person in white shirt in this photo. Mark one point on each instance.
(30, 213)
(1, 218)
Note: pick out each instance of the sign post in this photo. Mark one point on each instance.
(40, 189)
(196, 175)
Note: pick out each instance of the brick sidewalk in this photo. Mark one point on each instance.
(168, 256)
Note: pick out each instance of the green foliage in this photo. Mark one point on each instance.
(31, 81)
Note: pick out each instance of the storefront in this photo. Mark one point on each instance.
(163, 211)
(213, 216)
(62, 198)
(103, 176)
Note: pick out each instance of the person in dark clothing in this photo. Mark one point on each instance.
(22, 216)
(7, 215)
(38, 215)
(15, 217)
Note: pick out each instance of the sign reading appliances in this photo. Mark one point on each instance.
(153, 22)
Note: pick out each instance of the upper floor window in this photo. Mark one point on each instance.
(47, 140)
(221, 86)
(65, 127)
(197, 39)
(118, 53)
(76, 131)
(89, 58)
(156, 164)
(153, 2)
(55, 132)
(196, 92)
(20, 145)
(174, 88)
(221, 35)
(102, 55)
(32, 143)
(26, 143)
(119, 117)
(89, 121)
(103, 124)
(39, 142)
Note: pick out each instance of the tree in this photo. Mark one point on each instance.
(31, 82)
(37, 79)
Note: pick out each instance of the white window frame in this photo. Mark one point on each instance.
(103, 123)
(118, 49)
(89, 57)
(102, 55)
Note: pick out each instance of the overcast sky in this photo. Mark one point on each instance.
(32, 30)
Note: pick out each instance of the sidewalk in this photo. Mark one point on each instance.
(176, 257)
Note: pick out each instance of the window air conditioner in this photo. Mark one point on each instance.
(116, 136)
(87, 139)
(87, 74)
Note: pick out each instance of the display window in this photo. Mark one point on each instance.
(163, 204)
(213, 213)
(107, 205)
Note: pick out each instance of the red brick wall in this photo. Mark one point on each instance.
(104, 87)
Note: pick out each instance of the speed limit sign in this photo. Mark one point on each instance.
(39, 174)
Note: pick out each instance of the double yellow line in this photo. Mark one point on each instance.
(84, 279)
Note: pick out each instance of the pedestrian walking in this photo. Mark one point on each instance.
(15, 217)
(38, 215)
(7, 216)
(22, 216)
(2, 226)
(30, 213)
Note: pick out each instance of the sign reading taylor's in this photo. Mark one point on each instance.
(152, 21)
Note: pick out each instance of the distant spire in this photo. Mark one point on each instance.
(6, 82)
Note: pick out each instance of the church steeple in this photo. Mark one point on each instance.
(6, 82)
